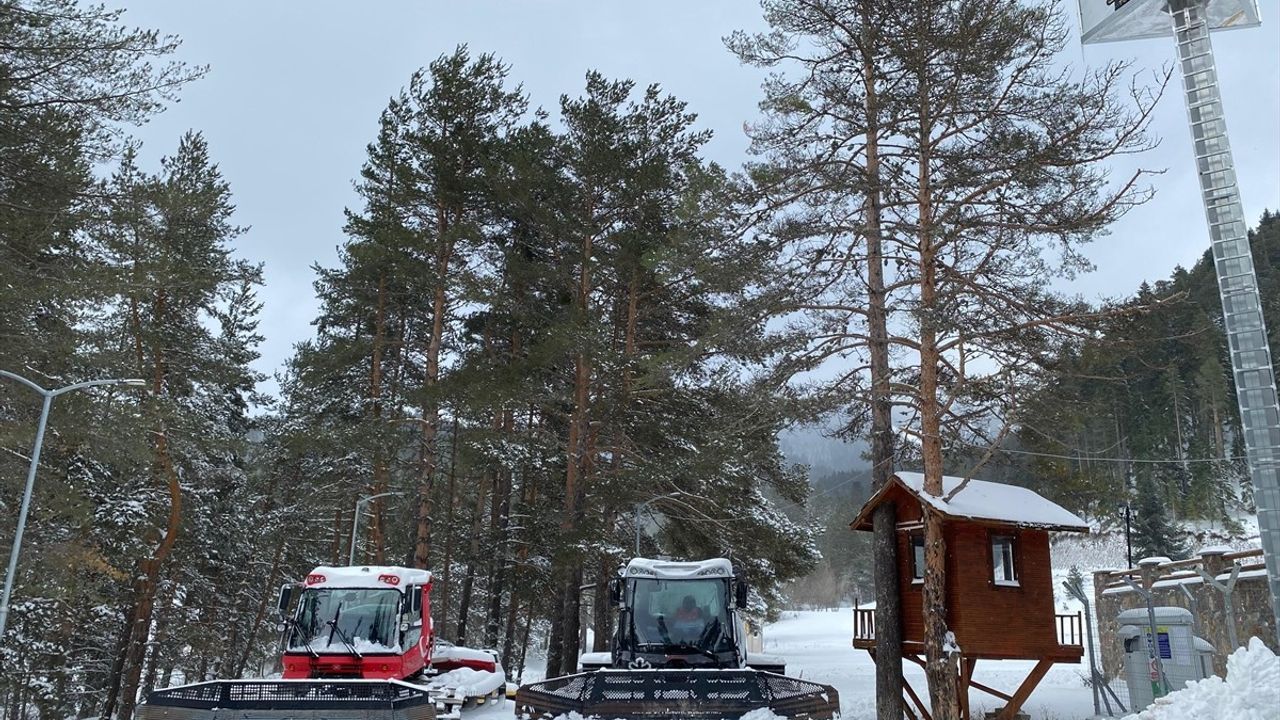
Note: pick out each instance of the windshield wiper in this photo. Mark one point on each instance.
(333, 628)
(306, 643)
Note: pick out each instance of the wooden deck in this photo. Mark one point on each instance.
(1069, 649)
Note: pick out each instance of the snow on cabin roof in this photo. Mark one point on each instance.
(982, 501)
(670, 570)
(367, 576)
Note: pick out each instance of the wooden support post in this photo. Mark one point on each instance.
(911, 695)
(1024, 690)
(990, 690)
(962, 688)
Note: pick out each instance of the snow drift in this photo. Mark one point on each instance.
(1250, 692)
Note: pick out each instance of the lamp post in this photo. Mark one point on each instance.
(48, 396)
(355, 522)
(1128, 535)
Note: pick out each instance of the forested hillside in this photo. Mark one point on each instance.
(1154, 391)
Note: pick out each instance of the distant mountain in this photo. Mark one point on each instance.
(825, 455)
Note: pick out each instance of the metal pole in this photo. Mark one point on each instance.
(22, 513)
(355, 526)
(637, 525)
(48, 396)
(1128, 540)
(1228, 605)
(355, 523)
(1077, 591)
(1251, 361)
(1159, 687)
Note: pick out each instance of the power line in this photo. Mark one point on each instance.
(1095, 458)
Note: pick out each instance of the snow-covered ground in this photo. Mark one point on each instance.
(817, 647)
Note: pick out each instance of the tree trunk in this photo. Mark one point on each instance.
(555, 637)
(149, 573)
(940, 666)
(451, 495)
(273, 576)
(888, 616)
(473, 555)
(572, 621)
(601, 611)
(377, 540)
(500, 511)
(116, 676)
(431, 407)
(508, 636)
(524, 640)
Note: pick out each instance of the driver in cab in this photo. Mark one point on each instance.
(688, 620)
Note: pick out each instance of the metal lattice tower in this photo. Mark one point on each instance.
(1246, 332)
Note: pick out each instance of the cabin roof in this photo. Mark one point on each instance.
(980, 501)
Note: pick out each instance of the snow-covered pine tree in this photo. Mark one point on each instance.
(74, 78)
(180, 317)
(822, 174)
(1154, 533)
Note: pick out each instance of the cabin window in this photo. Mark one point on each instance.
(1004, 569)
(917, 558)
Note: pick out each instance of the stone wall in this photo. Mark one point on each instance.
(1251, 601)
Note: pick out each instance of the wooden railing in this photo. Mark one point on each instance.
(1070, 629)
(864, 624)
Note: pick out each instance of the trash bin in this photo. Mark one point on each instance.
(1184, 656)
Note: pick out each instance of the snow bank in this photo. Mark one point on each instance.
(761, 714)
(1250, 692)
(466, 682)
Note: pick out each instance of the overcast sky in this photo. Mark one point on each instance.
(295, 88)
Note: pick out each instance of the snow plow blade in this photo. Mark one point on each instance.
(290, 700)
(700, 694)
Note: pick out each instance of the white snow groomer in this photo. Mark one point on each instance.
(358, 645)
(678, 652)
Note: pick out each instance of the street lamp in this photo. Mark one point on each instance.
(48, 396)
(355, 522)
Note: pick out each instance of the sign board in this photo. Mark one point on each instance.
(1113, 20)
(1164, 648)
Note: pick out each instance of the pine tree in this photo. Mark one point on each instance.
(991, 165)
(1154, 534)
(168, 240)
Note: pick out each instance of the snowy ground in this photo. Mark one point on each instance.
(817, 647)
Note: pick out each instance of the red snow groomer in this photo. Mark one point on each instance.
(358, 644)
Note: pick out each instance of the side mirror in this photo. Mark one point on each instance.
(740, 590)
(286, 595)
(413, 600)
(615, 591)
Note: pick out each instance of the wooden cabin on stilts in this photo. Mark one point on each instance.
(999, 582)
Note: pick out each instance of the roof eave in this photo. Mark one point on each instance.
(862, 521)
